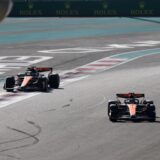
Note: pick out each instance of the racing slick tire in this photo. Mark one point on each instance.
(149, 102)
(110, 103)
(9, 84)
(113, 112)
(151, 112)
(152, 117)
(54, 81)
(44, 85)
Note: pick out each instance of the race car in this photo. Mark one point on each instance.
(131, 106)
(32, 79)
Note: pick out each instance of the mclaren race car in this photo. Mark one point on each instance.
(33, 79)
(131, 106)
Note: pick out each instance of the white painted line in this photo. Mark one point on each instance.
(96, 66)
(4, 69)
(109, 47)
(120, 46)
(149, 42)
(16, 62)
(67, 81)
(22, 58)
(3, 57)
(13, 65)
(2, 65)
(72, 50)
(17, 99)
(39, 59)
(10, 99)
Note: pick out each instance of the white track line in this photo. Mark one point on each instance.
(73, 76)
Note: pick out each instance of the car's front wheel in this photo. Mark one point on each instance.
(113, 113)
(9, 84)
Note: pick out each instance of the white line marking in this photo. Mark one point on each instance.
(92, 67)
(72, 50)
(13, 65)
(4, 69)
(16, 62)
(109, 47)
(3, 57)
(22, 58)
(17, 99)
(39, 59)
(10, 99)
(67, 81)
(120, 46)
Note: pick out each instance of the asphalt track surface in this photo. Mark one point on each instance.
(71, 123)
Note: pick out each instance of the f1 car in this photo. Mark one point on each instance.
(131, 106)
(32, 79)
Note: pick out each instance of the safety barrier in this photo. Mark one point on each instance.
(86, 8)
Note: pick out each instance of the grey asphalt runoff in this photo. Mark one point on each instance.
(71, 123)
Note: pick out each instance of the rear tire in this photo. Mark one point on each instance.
(44, 85)
(151, 113)
(9, 84)
(113, 119)
(54, 81)
(152, 117)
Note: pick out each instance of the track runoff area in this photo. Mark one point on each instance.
(71, 122)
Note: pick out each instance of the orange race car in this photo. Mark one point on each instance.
(32, 79)
(134, 107)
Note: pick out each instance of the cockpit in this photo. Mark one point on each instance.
(131, 101)
(32, 73)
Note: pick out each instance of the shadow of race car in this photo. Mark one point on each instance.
(32, 79)
(131, 106)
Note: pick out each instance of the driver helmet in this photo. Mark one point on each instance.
(132, 100)
(31, 71)
(32, 68)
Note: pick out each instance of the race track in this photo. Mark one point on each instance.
(96, 58)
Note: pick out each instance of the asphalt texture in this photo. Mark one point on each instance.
(71, 123)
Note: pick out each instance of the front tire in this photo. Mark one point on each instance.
(111, 103)
(113, 113)
(9, 84)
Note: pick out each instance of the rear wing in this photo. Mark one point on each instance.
(130, 95)
(44, 69)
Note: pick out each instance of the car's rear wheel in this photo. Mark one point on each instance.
(9, 84)
(151, 113)
(152, 117)
(112, 119)
(54, 81)
(44, 85)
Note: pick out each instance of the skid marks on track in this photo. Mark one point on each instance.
(27, 139)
